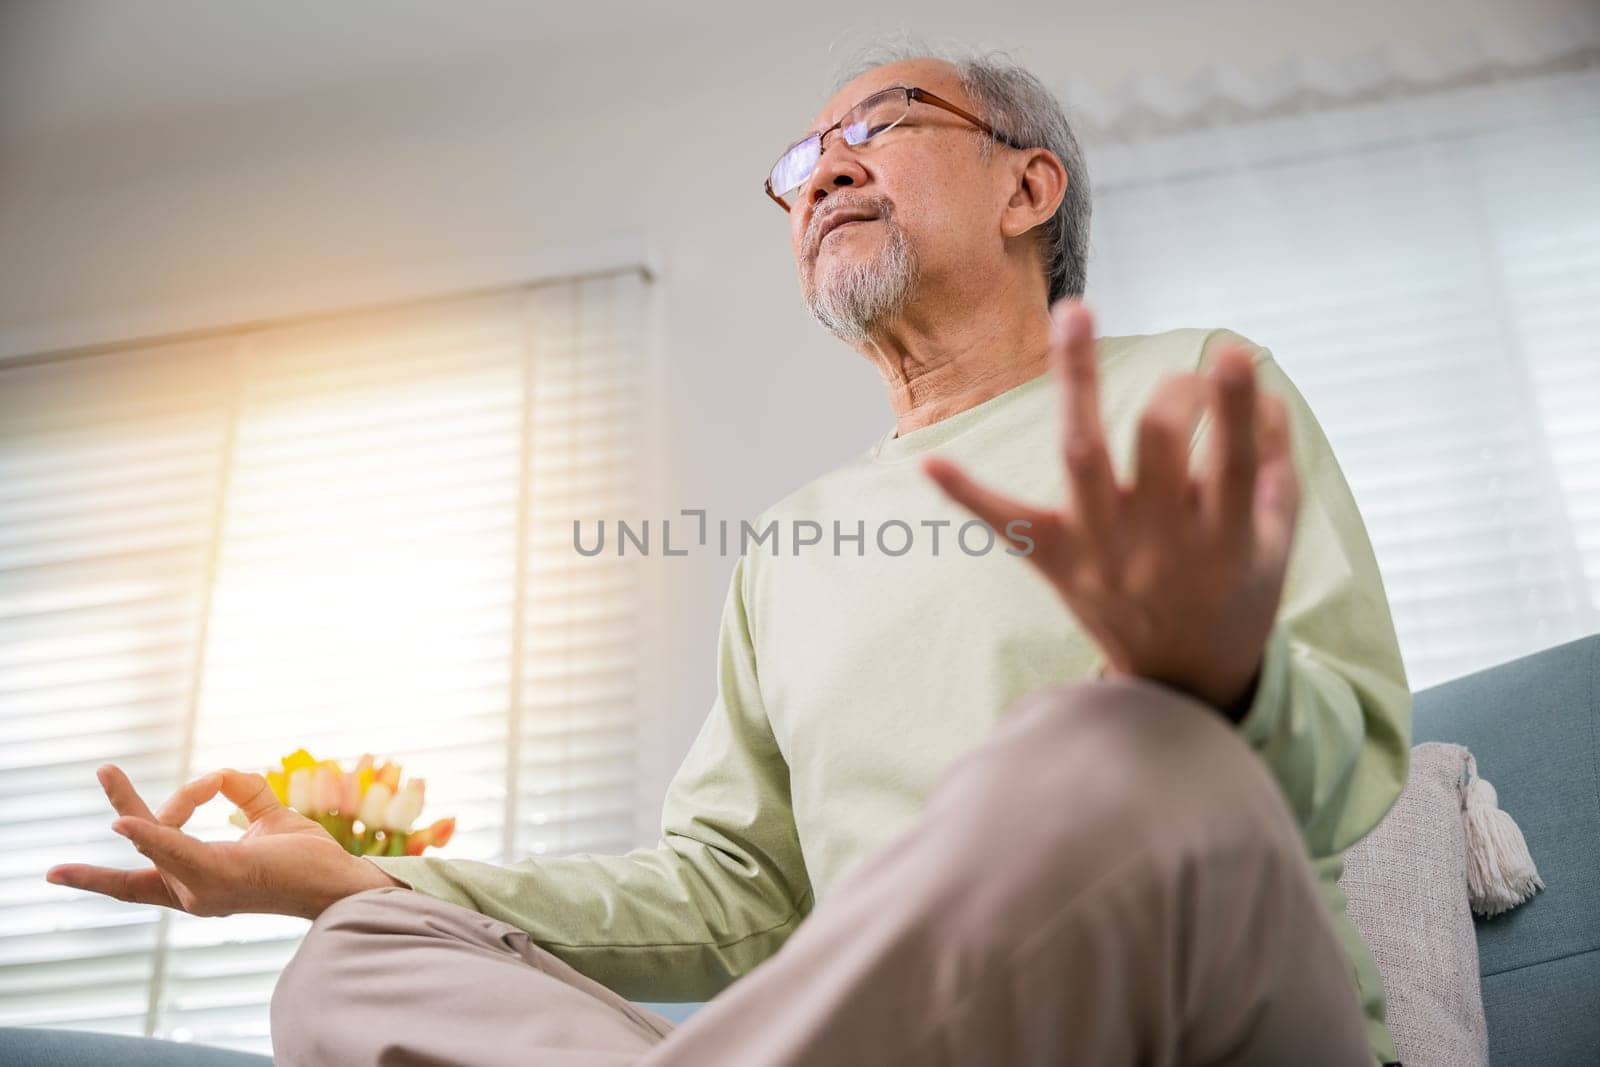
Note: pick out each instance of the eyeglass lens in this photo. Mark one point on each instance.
(866, 120)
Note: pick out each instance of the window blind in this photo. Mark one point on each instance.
(582, 627)
(1427, 270)
(340, 534)
(109, 470)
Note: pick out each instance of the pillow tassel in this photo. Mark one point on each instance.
(1500, 871)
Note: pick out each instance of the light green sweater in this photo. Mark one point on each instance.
(847, 683)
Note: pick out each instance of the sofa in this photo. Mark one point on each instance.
(1534, 726)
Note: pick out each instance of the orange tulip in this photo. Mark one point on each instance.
(389, 775)
(436, 834)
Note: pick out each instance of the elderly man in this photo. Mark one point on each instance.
(1079, 800)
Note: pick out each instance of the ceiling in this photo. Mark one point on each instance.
(92, 66)
(69, 62)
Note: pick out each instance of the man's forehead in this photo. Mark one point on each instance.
(935, 75)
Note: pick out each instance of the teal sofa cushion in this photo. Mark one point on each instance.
(1534, 726)
(39, 1047)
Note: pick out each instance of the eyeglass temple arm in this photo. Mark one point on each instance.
(939, 101)
(766, 186)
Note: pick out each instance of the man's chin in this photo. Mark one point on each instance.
(827, 260)
(831, 267)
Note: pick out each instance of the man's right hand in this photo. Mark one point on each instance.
(284, 864)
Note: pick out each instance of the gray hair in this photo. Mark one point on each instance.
(1019, 105)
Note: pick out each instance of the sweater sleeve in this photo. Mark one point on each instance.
(719, 893)
(1331, 714)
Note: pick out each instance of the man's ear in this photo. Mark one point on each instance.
(1040, 183)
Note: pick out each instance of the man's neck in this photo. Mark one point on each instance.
(939, 363)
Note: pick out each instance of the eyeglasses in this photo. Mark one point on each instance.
(879, 112)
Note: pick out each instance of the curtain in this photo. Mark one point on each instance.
(350, 534)
(1424, 261)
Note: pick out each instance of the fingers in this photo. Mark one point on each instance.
(136, 887)
(249, 791)
(993, 508)
(124, 798)
(165, 846)
(1277, 504)
(1230, 484)
(1091, 481)
(1161, 483)
(176, 811)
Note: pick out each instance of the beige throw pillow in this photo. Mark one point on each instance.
(1407, 888)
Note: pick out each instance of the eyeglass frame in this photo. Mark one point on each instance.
(913, 94)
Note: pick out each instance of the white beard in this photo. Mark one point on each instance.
(854, 298)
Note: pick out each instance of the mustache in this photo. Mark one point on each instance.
(881, 206)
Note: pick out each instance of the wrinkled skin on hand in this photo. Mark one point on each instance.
(283, 864)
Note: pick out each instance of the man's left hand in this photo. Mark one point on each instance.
(1176, 578)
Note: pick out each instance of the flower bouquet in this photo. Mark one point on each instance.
(371, 795)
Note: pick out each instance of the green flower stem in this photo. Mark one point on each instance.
(337, 826)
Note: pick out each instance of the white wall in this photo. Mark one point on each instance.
(163, 170)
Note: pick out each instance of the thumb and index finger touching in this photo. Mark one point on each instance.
(159, 835)
(150, 835)
(250, 792)
(159, 838)
(162, 840)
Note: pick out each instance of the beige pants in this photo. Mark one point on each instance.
(1113, 878)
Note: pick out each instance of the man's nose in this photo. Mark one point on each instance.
(837, 168)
